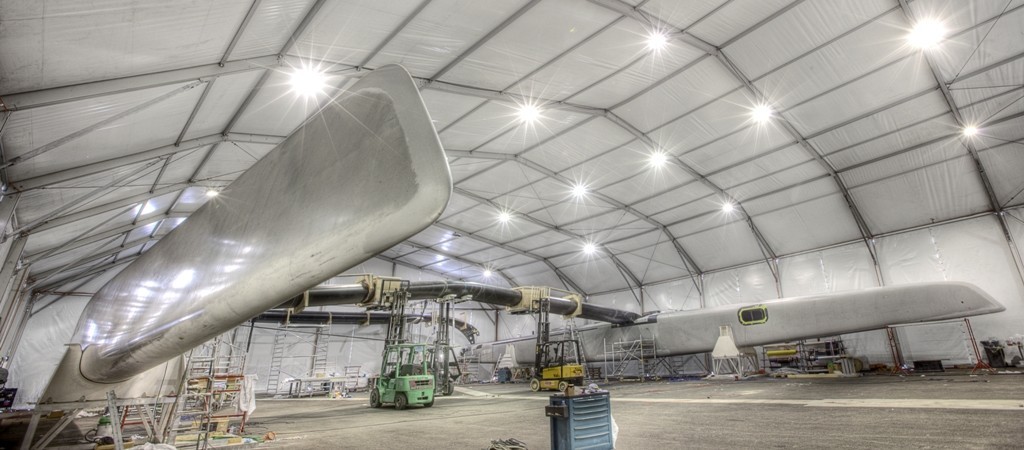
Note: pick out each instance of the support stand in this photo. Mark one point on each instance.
(728, 359)
(899, 366)
(112, 407)
(71, 410)
(979, 364)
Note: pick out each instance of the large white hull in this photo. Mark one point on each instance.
(697, 331)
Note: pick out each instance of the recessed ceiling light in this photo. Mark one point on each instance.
(761, 113)
(728, 207)
(970, 130)
(488, 273)
(658, 159)
(504, 217)
(657, 40)
(579, 190)
(528, 113)
(212, 193)
(927, 33)
(308, 82)
(589, 248)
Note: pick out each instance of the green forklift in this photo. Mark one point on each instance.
(405, 378)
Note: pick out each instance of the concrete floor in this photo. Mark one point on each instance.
(935, 411)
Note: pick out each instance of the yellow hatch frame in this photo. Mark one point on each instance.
(764, 314)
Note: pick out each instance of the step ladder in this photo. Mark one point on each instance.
(231, 353)
(276, 360)
(469, 366)
(208, 382)
(574, 334)
(321, 341)
(507, 359)
(192, 412)
(351, 382)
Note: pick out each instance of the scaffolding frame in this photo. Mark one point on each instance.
(640, 353)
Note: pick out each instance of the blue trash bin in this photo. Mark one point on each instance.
(580, 421)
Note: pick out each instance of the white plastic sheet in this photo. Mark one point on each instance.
(539, 36)
(746, 284)
(42, 347)
(801, 29)
(671, 296)
(972, 251)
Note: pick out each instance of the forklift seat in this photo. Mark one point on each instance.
(407, 370)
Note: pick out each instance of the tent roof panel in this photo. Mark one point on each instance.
(927, 195)
(443, 31)
(734, 18)
(650, 68)
(270, 27)
(722, 246)
(539, 36)
(704, 81)
(839, 74)
(65, 43)
(866, 94)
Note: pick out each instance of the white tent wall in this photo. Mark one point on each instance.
(480, 317)
(971, 250)
(511, 326)
(674, 295)
(741, 285)
(348, 345)
(837, 269)
(51, 326)
(42, 346)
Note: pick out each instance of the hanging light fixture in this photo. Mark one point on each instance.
(307, 82)
(926, 34)
(528, 113)
(657, 41)
(761, 113)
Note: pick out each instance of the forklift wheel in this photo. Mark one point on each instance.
(534, 384)
(562, 386)
(401, 401)
(427, 405)
(375, 399)
(448, 389)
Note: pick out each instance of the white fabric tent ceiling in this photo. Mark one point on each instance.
(119, 116)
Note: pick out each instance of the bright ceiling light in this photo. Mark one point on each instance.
(589, 248)
(927, 33)
(728, 207)
(212, 193)
(504, 217)
(528, 113)
(970, 130)
(658, 159)
(761, 113)
(308, 82)
(657, 40)
(579, 190)
(488, 273)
